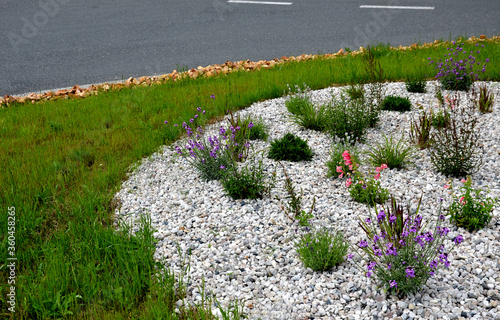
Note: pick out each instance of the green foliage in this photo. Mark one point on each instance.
(420, 130)
(321, 250)
(348, 118)
(368, 191)
(485, 101)
(456, 150)
(258, 131)
(375, 82)
(355, 92)
(471, 210)
(416, 85)
(305, 114)
(393, 154)
(293, 208)
(336, 160)
(441, 118)
(394, 103)
(452, 82)
(398, 251)
(290, 148)
(247, 182)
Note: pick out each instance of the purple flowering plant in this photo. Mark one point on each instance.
(459, 68)
(400, 250)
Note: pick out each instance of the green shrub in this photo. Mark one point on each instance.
(320, 250)
(246, 182)
(290, 148)
(456, 150)
(336, 160)
(416, 85)
(393, 154)
(305, 114)
(348, 118)
(394, 103)
(471, 210)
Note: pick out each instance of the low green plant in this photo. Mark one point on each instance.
(399, 251)
(470, 209)
(248, 181)
(335, 165)
(290, 148)
(395, 103)
(258, 130)
(348, 118)
(395, 154)
(321, 250)
(456, 150)
(305, 114)
(361, 188)
(293, 208)
(421, 130)
(441, 118)
(416, 85)
(355, 91)
(484, 102)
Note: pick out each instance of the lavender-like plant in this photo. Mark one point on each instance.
(399, 252)
(459, 68)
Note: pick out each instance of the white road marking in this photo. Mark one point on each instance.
(261, 2)
(397, 7)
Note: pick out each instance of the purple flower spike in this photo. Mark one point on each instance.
(381, 215)
(393, 284)
(212, 96)
(363, 244)
(166, 121)
(410, 273)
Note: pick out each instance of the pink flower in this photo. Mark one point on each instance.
(341, 175)
(463, 180)
(462, 200)
(378, 169)
(348, 182)
(383, 166)
(339, 169)
(346, 155)
(446, 186)
(348, 162)
(377, 176)
(350, 167)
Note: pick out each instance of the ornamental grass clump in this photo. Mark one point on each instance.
(395, 154)
(305, 114)
(363, 189)
(459, 68)
(485, 100)
(421, 129)
(470, 209)
(401, 251)
(320, 249)
(290, 148)
(416, 85)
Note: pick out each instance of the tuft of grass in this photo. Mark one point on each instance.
(395, 154)
(485, 101)
(305, 114)
(416, 85)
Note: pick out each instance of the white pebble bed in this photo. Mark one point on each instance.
(244, 249)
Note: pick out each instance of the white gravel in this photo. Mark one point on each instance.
(244, 249)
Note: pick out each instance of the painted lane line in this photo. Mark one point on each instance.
(397, 7)
(261, 2)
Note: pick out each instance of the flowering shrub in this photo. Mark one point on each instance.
(363, 189)
(209, 155)
(459, 69)
(320, 250)
(399, 252)
(336, 159)
(470, 209)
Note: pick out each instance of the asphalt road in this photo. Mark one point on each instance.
(49, 44)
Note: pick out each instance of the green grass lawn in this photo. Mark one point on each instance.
(62, 162)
